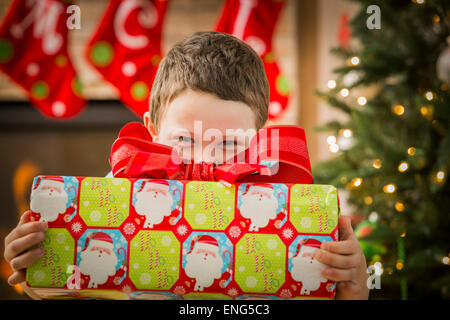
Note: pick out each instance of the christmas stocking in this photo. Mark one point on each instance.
(126, 48)
(33, 53)
(253, 21)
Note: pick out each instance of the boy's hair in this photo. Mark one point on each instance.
(216, 63)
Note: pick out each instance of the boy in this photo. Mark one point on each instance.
(220, 80)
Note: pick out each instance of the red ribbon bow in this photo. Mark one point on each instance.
(134, 155)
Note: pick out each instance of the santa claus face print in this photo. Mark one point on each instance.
(50, 198)
(206, 259)
(100, 256)
(260, 204)
(155, 200)
(304, 267)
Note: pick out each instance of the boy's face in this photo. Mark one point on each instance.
(203, 127)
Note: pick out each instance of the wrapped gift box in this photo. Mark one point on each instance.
(120, 238)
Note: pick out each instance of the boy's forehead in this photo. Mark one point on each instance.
(192, 108)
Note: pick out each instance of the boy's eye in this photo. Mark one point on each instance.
(185, 139)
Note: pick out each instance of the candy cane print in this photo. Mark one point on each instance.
(214, 215)
(109, 216)
(107, 197)
(157, 259)
(229, 268)
(256, 263)
(159, 278)
(205, 202)
(150, 260)
(284, 209)
(115, 215)
(271, 280)
(220, 217)
(165, 277)
(311, 205)
(124, 264)
(101, 198)
(141, 240)
(211, 199)
(261, 268)
(265, 281)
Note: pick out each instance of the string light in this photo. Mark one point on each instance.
(403, 235)
(399, 265)
(345, 92)
(389, 188)
(376, 164)
(403, 166)
(331, 140)
(445, 260)
(362, 101)
(399, 206)
(419, 1)
(334, 148)
(368, 200)
(436, 18)
(411, 151)
(347, 133)
(440, 175)
(429, 95)
(373, 217)
(398, 109)
(355, 61)
(427, 112)
(356, 182)
(331, 84)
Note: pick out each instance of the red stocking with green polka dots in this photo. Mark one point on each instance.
(33, 53)
(126, 48)
(253, 21)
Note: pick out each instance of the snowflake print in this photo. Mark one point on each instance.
(306, 222)
(179, 290)
(287, 233)
(182, 229)
(76, 227)
(127, 288)
(286, 294)
(129, 229)
(235, 232)
(232, 292)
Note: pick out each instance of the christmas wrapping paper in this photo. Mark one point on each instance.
(120, 238)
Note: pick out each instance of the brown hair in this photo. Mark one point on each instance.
(216, 63)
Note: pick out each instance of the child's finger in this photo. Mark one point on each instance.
(18, 246)
(335, 274)
(25, 229)
(337, 260)
(345, 228)
(17, 277)
(25, 217)
(27, 259)
(340, 247)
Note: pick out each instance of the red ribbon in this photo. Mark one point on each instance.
(134, 155)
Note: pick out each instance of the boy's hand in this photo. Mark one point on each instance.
(18, 241)
(346, 263)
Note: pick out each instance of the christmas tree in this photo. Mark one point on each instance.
(392, 154)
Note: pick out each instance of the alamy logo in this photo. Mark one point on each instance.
(374, 20)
